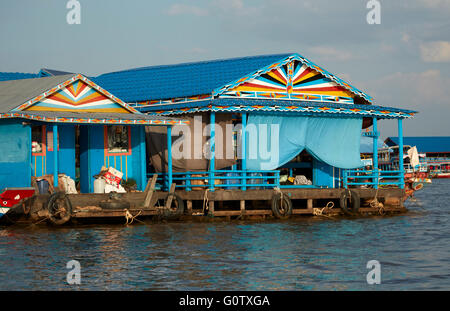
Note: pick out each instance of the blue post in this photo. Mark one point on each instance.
(375, 152)
(188, 181)
(169, 155)
(55, 155)
(244, 150)
(212, 140)
(400, 154)
(143, 160)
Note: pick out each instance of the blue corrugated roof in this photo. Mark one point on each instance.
(425, 143)
(7, 76)
(181, 80)
(44, 72)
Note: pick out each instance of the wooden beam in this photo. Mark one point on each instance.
(242, 207)
(170, 197)
(309, 204)
(149, 189)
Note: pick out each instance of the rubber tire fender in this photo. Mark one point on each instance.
(287, 204)
(115, 204)
(174, 213)
(50, 208)
(355, 201)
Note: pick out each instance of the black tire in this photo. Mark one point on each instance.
(176, 209)
(115, 204)
(281, 206)
(355, 201)
(59, 208)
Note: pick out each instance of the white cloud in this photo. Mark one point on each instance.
(435, 52)
(181, 9)
(426, 92)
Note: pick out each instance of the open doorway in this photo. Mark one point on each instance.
(298, 171)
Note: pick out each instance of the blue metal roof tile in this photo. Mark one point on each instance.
(424, 143)
(7, 76)
(181, 80)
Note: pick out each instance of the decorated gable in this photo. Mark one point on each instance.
(294, 81)
(77, 95)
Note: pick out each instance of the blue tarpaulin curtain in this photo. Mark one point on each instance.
(275, 140)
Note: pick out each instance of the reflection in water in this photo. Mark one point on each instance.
(301, 254)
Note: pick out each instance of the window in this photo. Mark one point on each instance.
(117, 140)
(38, 140)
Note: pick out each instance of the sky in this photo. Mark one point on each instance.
(402, 62)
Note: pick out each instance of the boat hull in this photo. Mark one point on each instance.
(442, 175)
(3, 211)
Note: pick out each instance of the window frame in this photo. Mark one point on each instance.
(44, 141)
(105, 135)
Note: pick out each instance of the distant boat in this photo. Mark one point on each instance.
(440, 170)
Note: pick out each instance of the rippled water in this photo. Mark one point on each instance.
(312, 254)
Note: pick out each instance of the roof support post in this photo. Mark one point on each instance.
(143, 157)
(212, 142)
(55, 155)
(244, 150)
(375, 153)
(169, 156)
(400, 154)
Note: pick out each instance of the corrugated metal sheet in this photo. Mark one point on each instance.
(180, 80)
(8, 76)
(44, 72)
(424, 143)
(15, 93)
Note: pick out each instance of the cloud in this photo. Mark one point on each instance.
(435, 52)
(426, 92)
(182, 9)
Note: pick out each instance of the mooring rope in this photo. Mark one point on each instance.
(205, 201)
(319, 211)
(375, 203)
(278, 190)
(130, 218)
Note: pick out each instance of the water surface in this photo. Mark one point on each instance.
(302, 254)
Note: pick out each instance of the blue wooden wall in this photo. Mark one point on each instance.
(43, 164)
(325, 175)
(94, 156)
(15, 154)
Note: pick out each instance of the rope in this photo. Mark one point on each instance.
(319, 211)
(375, 203)
(278, 190)
(130, 218)
(205, 201)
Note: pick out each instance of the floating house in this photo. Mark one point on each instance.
(272, 128)
(67, 124)
(319, 117)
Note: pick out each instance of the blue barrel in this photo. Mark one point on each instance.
(255, 181)
(232, 181)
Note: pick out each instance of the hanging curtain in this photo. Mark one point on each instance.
(275, 140)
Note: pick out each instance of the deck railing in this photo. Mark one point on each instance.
(223, 179)
(374, 178)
